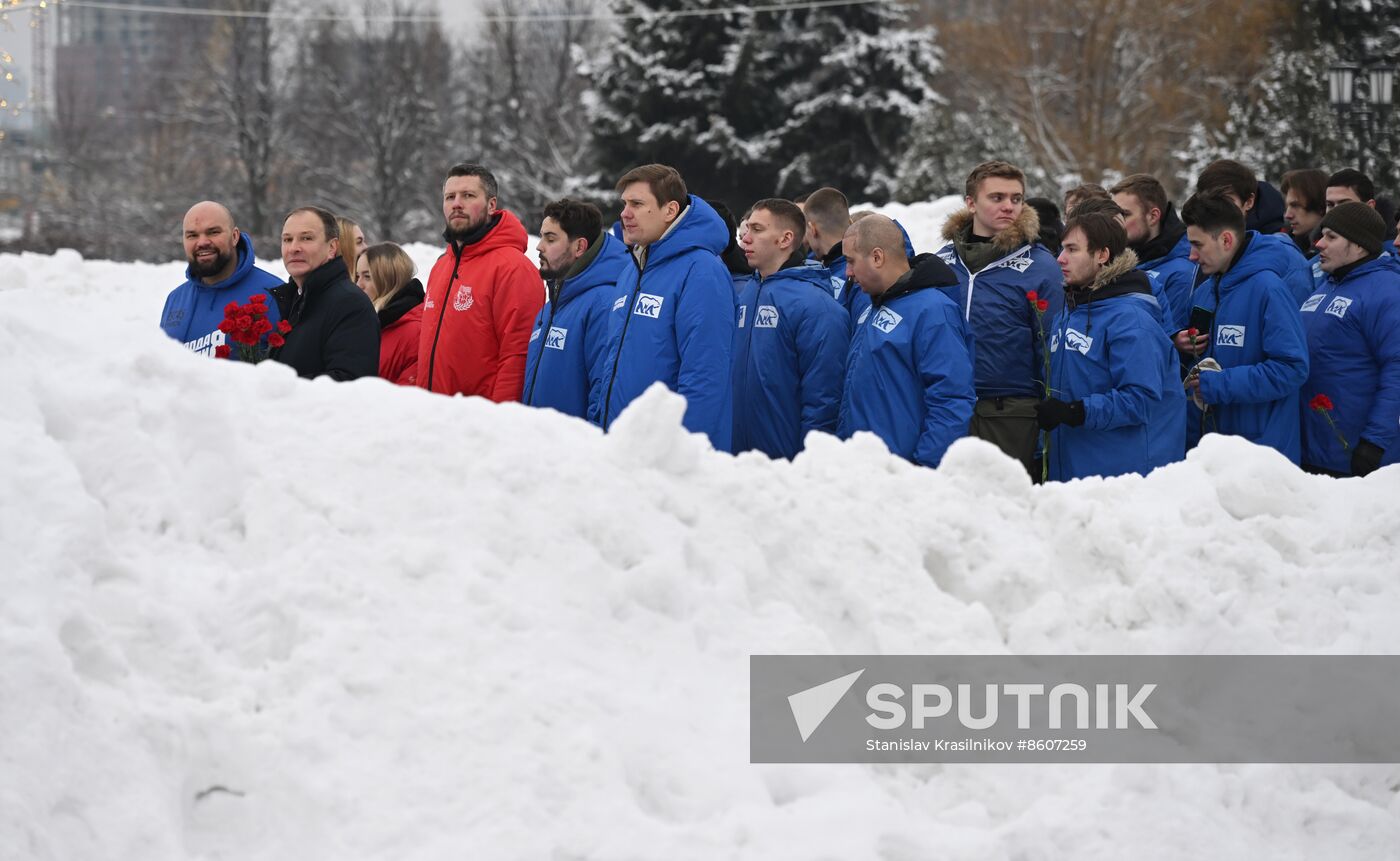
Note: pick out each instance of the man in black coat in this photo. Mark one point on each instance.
(335, 330)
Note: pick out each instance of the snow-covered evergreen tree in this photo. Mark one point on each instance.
(748, 104)
(856, 79)
(946, 143)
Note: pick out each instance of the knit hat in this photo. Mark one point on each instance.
(1358, 223)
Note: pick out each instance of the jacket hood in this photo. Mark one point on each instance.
(926, 270)
(410, 297)
(700, 228)
(1166, 241)
(1266, 216)
(502, 230)
(1023, 231)
(1384, 263)
(1120, 277)
(797, 270)
(1274, 252)
(246, 261)
(604, 270)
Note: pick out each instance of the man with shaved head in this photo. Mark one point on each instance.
(220, 271)
(909, 377)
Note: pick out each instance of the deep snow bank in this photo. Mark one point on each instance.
(247, 616)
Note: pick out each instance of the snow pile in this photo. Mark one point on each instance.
(252, 617)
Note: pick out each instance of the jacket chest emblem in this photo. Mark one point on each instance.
(1074, 340)
(1229, 336)
(1313, 301)
(648, 306)
(886, 320)
(463, 299)
(1020, 263)
(766, 317)
(1338, 307)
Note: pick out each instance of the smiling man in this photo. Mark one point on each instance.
(993, 247)
(483, 295)
(1353, 326)
(790, 354)
(220, 271)
(672, 317)
(335, 330)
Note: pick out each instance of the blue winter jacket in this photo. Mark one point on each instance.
(1010, 341)
(1258, 339)
(789, 360)
(1354, 349)
(1108, 350)
(194, 310)
(672, 321)
(564, 364)
(909, 376)
(847, 292)
(1168, 265)
(1287, 262)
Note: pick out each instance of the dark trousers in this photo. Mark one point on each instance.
(1009, 424)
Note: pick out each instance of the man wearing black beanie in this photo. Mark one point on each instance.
(1351, 401)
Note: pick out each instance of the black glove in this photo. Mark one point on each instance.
(1051, 413)
(1366, 459)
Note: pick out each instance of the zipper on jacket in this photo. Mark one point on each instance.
(617, 360)
(544, 333)
(437, 333)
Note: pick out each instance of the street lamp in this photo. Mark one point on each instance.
(1362, 107)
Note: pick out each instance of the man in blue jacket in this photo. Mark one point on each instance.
(790, 353)
(220, 271)
(1282, 257)
(828, 215)
(1116, 403)
(993, 248)
(580, 264)
(1158, 238)
(672, 320)
(1249, 323)
(1353, 327)
(909, 375)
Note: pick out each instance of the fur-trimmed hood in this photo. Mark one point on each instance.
(1023, 231)
(1120, 277)
(1116, 268)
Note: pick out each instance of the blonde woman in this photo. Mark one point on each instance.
(386, 273)
(352, 243)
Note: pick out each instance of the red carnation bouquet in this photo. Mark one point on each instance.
(246, 326)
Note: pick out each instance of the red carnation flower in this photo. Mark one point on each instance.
(244, 321)
(1192, 332)
(222, 351)
(258, 298)
(275, 340)
(230, 308)
(1320, 402)
(226, 326)
(262, 327)
(283, 326)
(1033, 296)
(1042, 305)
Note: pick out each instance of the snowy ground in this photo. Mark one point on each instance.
(251, 617)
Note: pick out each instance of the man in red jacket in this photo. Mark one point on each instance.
(483, 295)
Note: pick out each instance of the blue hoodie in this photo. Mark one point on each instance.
(1287, 262)
(672, 321)
(1172, 276)
(1354, 346)
(1007, 331)
(194, 310)
(1257, 337)
(1108, 350)
(909, 376)
(789, 360)
(564, 364)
